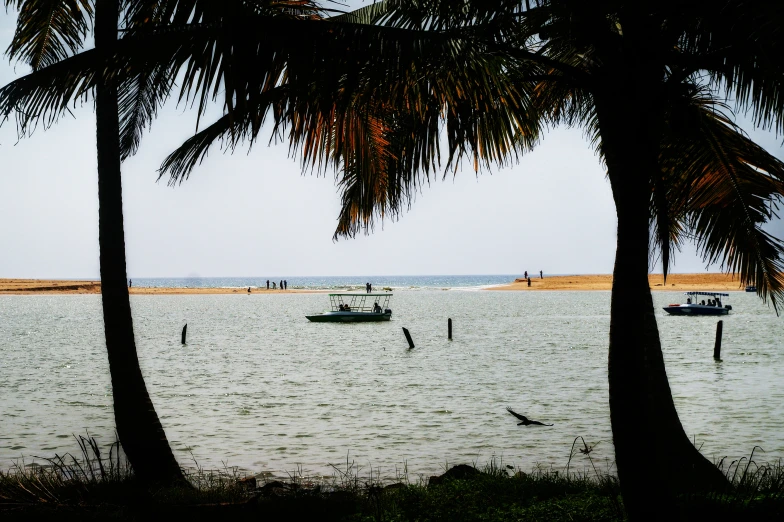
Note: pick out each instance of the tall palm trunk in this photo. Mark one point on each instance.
(654, 456)
(138, 427)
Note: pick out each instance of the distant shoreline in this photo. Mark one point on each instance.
(58, 286)
(675, 282)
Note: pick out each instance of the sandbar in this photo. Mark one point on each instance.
(55, 286)
(675, 282)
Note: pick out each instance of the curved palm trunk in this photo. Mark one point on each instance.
(138, 427)
(654, 456)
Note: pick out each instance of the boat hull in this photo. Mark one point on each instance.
(695, 310)
(349, 317)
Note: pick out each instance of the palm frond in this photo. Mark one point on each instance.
(447, 15)
(741, 47)
(142, 13)
(139, 98)
(367, 15)
(43, 96)
(490, 129)
(230, 130)
(192, 152)
(367, 185)
(723, 187)
(48, 31)
(667, 229)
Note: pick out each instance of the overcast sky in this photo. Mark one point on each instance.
(256, 215)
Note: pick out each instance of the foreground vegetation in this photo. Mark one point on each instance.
(103, 487)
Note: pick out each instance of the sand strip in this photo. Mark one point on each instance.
(675, 282)
(41, 286)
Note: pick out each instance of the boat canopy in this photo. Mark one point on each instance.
(363, 294)
(707, 293)
(359, 302)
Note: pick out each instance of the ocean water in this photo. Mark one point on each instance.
(465, 282)
(259, 387)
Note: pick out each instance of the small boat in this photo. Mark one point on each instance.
(355, 308)
(751, 288)
(696, 306)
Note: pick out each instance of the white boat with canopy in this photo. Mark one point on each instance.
(696, 305)
(355, 308)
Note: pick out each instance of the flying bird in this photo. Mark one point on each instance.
(524, 420)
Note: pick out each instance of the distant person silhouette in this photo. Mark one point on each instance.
(281, 284)
(541, 275)
(285, 285)
(248, 289)
(526, 274)
(267, 284)
(130, 283)
(273, 285)
(529, 281)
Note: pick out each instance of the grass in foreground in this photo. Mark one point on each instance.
(96, 488)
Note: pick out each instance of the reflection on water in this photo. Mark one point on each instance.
(259, 387)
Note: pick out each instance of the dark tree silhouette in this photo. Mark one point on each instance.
(48, 31)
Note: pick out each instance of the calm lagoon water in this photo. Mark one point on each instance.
(259, 387)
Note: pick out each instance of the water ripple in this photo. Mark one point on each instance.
(259, 387)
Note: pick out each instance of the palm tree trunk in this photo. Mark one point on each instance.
(140, 432)
(655, 458)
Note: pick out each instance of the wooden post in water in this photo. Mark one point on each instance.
(449, 327)
(408, 338)
(717, 346)
(184, 330)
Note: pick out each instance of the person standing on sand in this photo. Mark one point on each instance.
(267, 284)
(541, 276)
(525, 275)
(130, 283)
(248, 289)
(285, 285)
(281, 284)
(529, 281)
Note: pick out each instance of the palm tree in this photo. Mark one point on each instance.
(138, 426)
(649, 81)
(677, 166)
(49, 31)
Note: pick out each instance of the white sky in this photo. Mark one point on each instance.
(256, 215)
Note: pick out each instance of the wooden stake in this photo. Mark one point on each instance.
(184, 330)
(408, 338)
(717, 346)
(449, 327)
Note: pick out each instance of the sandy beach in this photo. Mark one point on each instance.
(677, 282)
(54, 286)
